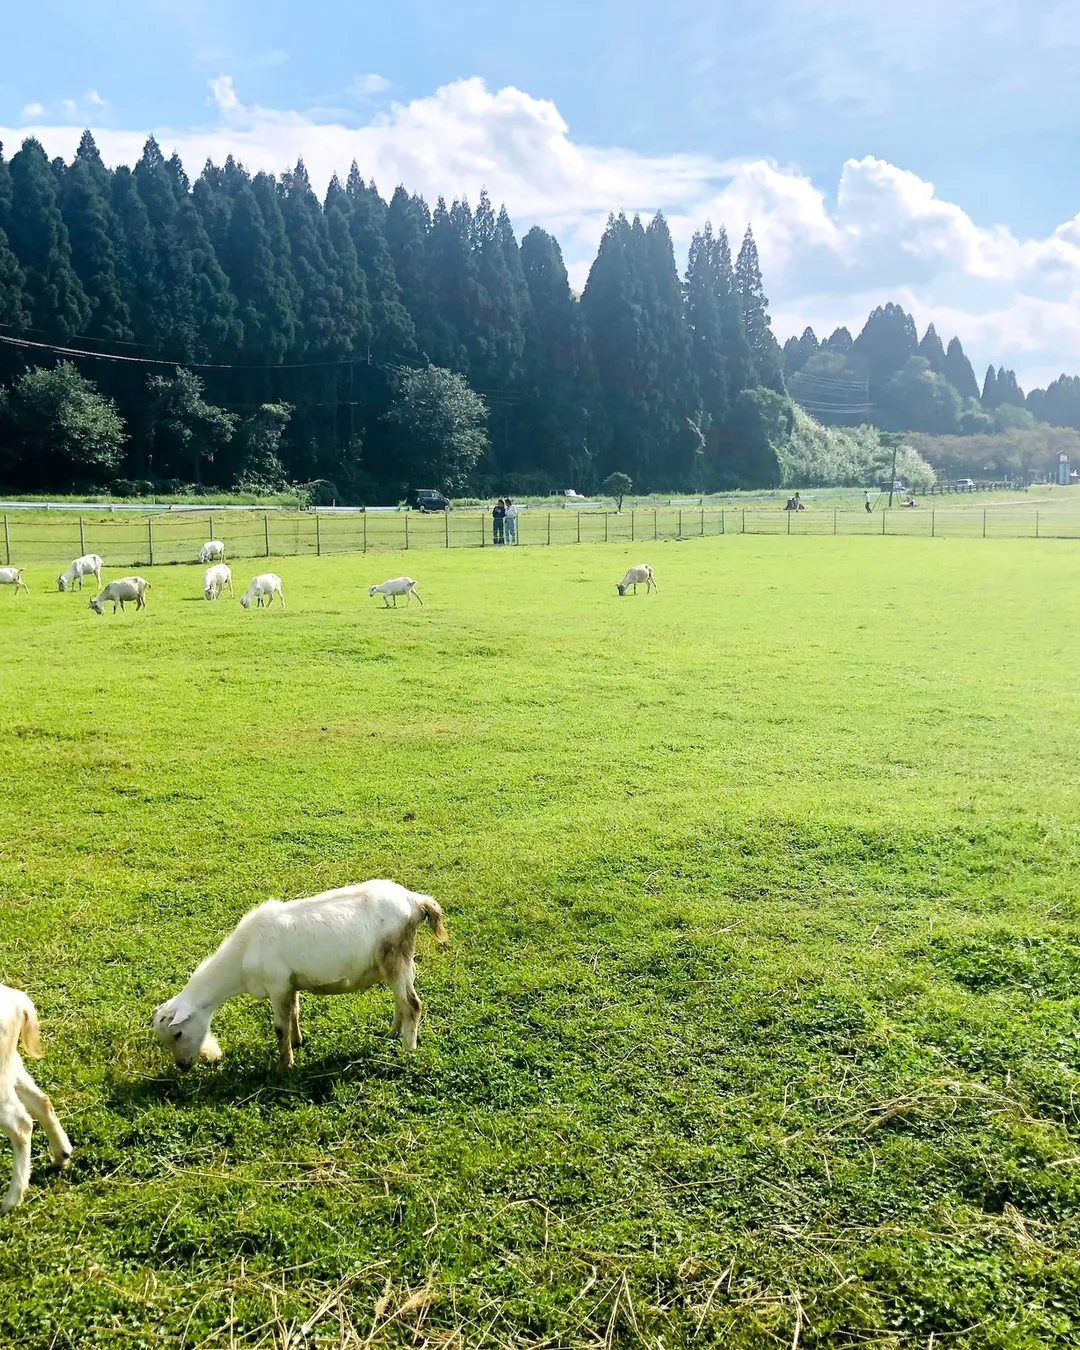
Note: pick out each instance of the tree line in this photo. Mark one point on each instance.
(239, 331)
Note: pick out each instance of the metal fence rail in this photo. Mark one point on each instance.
(127, 541)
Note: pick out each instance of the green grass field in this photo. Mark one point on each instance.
(758, 1026)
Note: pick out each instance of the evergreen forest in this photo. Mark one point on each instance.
(159, 334)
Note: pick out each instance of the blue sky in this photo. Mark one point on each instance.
(924, 152)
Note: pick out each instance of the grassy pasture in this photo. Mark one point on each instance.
(759, 1021)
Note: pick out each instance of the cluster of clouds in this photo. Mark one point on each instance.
(829, 254)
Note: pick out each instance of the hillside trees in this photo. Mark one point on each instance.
(267, 297)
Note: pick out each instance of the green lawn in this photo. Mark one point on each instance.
(758, 1026)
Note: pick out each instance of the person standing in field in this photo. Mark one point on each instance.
(511, 522)
(866, 497)
(498, 518)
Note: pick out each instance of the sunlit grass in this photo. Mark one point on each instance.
(760, 1012)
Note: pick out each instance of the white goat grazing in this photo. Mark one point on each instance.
(21, 1100)
(263, 587)
(398, 586)
(12, 576)
(215, 579)
(643, 572)
(212, 551)
(127, 588)
(336, 942)
(89, 565)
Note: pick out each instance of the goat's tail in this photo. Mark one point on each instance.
(431, 911)
(23, 1029)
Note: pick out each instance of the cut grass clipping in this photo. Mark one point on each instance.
(758, 1025)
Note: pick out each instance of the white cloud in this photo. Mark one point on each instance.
(886, 234)
(94, 99)
(368, 86)
(33, 110)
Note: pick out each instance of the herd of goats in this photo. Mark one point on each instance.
(340, 941)
(218, 575)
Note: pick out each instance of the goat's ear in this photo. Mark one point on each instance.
(179, 1016)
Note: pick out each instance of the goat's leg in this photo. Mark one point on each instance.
(417, 594)
(281, 597)
(18, 1126)
(282, 1006)
(407, 1003)
(41, 1109)
(295, 1033)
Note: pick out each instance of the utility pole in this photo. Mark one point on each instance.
(892, 476)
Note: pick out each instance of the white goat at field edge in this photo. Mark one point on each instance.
(263, 587)
(12, 576)
(212, 551)
(127, 588)
(643, 572)
(337, 942)
(89, 565)
(397, 586)
(21, 1100)
(215, 579)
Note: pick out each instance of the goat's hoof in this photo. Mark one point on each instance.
(63, 1161)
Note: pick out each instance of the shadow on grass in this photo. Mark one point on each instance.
(242, 1078)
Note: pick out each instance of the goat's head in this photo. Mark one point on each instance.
(97, 606)
(372, 589)
(245, 600)
(185, 1033)
(620, 588)
(61, 581)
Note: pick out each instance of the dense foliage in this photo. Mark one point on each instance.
(243, 332)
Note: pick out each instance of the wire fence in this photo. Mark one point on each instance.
(175, 538)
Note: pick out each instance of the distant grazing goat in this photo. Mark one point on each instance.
(89, 565)
(643, 572)
(21, 1100)
(212, 551)
(263, 588)
(215, 579)
(12, 576)
(398, 586)
(337, 942)
(127, 588)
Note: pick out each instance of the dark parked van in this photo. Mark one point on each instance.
(427, 499)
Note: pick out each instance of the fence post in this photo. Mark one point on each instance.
(446, 527)
(318, 537)
(266, 532)
(7, 544)
(365, 531)
(406, 531)
(788, 514)
(703, 522)
(82, 537)
(744, 520)
(680, 522)
(834, 520)
(211, 527)
(150, 537)
(549, 527)
(984, 522)
(579, 527)
(483, 529)
(723, 527)
(654, 534)
(932, 515)
(631, 527)
(605, 526)
(884, 513)
(1036, 524)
